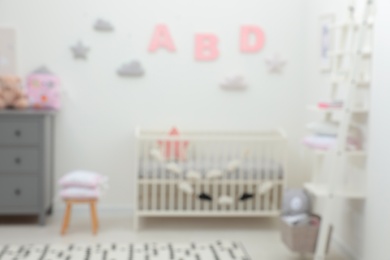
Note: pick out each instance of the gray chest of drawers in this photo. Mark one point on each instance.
(26, 163)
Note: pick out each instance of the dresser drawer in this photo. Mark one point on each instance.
(19, 160)
(19, 132)
(18, 191)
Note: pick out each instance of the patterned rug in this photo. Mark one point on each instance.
(221, 250)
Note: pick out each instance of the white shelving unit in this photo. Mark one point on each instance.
(350, 73)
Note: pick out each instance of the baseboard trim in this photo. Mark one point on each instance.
(345, 249)
(103, 209)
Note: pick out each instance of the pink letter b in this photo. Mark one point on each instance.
(206, 48)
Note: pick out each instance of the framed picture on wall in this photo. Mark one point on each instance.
(326, 41)
(7, 50)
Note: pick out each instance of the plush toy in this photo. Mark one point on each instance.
(11, 93)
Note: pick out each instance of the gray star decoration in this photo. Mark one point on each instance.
(80, 50)
(275, 65)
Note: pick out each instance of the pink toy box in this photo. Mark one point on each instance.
(43, 89)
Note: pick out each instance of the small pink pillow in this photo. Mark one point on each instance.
(80, 193)
(83, 179)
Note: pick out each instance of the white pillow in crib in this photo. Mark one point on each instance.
(225, 200)
(213, 174)
(80, 193)
(174, 168)
(265, 187)
(233, 165)
(157, 155)
(193, 175)
(186, 187)
(83, 179)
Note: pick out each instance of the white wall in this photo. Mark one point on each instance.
(95, 126)
(377, 225)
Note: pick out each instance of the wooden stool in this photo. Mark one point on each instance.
(68, 212)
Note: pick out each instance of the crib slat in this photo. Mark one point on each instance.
(223, 159)
(154, 185)
(266, 175)
(257, 163)
(146, 173)
(197, 155)
(241, 188)
(172, 185)
(181, 177)
(215, 164)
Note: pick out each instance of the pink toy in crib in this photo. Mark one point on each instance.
(43, 89)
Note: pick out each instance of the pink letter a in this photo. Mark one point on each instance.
(251, 30)
(162, 39)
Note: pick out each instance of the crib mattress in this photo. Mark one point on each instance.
(246, 170)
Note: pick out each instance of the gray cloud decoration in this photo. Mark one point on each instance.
(103, 25)
(234, 83)
(131, 69)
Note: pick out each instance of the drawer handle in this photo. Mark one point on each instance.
(18, 161)
(18, 192)
(18, 133)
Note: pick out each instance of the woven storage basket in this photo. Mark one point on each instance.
(300, 239)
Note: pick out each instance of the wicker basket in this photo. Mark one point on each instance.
(300, 239)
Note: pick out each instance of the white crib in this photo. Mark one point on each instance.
(262, 160)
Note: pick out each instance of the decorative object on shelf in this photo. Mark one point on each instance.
(7, 51)
(330, 104)
(174, 148)
(323, 128)
(275, 64)
(43, 89)
(11, 94)
(236, 83)
(103, 25)
(80, 50)
(326, 38)
(131, 69)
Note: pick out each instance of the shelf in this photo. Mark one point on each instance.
(320, 190)
(347, 153)
(336, 109)
(315, 108)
